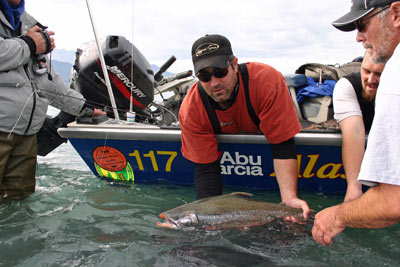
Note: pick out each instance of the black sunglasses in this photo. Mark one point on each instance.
(205, 76)
(360, 24)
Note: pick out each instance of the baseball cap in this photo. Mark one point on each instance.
(359, 9)
(211, 50)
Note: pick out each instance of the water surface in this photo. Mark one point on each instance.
(77, 219)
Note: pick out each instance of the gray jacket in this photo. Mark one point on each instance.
(24, 95)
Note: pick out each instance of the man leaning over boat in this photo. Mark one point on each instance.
(354, 104)
(233, 98)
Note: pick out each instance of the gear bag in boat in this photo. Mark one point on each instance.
(321, 72)
(314, 99)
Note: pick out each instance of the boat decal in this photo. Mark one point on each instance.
(126, 174)
(153, 159)
(329, 170)
(241, 164)
(109, 158)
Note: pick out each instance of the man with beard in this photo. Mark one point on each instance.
(378, 26)
(233, 98)
(354, 104)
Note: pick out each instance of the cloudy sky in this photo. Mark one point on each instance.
(282, 33)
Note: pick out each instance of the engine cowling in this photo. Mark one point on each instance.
(87, 75)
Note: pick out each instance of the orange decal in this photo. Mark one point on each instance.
(109, 158)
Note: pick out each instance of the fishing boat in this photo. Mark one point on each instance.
(148, 147)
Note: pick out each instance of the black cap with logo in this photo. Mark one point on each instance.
(212, 50)
(359, 9)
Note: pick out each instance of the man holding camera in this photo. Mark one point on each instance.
(28, 85)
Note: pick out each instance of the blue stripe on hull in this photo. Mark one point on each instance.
(242, 165)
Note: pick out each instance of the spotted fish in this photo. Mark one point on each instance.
(235, 210)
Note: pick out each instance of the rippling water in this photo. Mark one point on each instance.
(76, 219)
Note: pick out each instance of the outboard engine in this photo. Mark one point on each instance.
(88, 79)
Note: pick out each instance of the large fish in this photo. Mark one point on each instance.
(235, 210)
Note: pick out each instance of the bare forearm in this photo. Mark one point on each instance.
(353, 152)
(379, 207)
(353, 146)
(286, 175)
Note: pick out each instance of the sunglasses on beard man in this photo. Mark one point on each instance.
(219, 73)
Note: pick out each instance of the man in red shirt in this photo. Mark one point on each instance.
(218, 103)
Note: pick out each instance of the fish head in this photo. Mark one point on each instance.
(188, 219)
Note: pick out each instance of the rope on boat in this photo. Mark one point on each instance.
(105, 143)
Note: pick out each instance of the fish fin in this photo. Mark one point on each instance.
(241, 194)
(166, 225)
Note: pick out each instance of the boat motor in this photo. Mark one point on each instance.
(88, 79)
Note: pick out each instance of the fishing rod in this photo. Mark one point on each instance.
(132, 65)
(95, 104)
(103, 66)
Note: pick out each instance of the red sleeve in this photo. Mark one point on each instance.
(199, 143)
(272, 103)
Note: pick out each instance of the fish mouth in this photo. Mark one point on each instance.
(186, 220)
(169, 222)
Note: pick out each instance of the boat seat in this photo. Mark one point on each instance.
(317, 109)
(293, 81)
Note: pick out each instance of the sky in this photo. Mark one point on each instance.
(282, 33)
